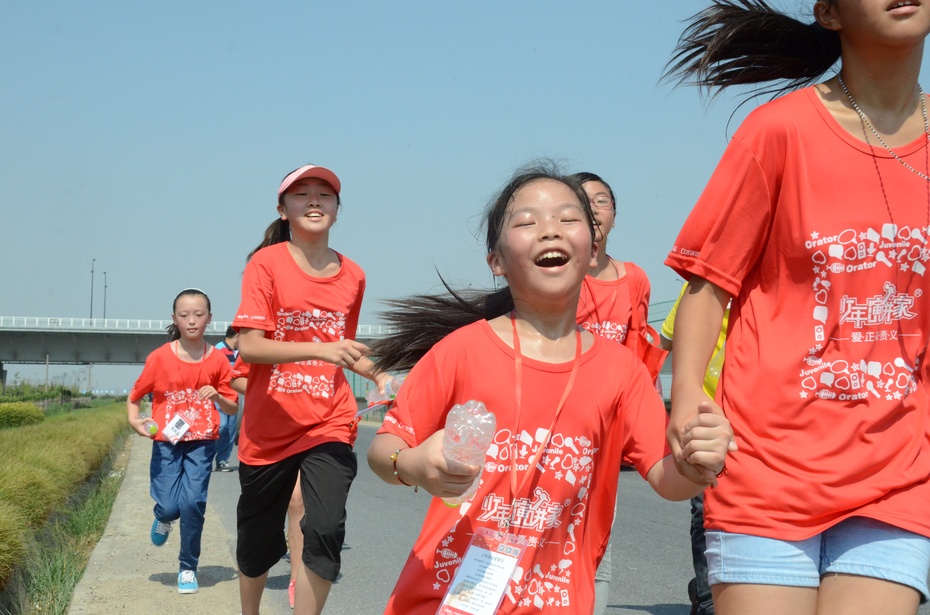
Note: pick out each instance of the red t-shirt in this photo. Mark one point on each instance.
(292, 407)
(174, 384)
(827, 326)
(567, 509)
(606, 306)
(240, 369)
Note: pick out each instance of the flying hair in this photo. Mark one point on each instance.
(747, 42)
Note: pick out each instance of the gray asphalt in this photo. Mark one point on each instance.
(126, 574)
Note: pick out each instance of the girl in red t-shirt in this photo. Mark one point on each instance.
(815, 222)
(185, 376)
(549, 481)
(615, 294)
(297, 320)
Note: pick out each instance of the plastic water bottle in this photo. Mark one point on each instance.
(375, 398)
(470, 429)
(149, 426)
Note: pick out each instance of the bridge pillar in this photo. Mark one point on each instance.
(2, 379)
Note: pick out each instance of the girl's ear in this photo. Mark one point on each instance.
(825, 14)
(281, 212)
(494, 262)
(593, 262)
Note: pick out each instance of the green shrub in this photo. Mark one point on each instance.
(42, 465)
(17, 414)
(26, 391)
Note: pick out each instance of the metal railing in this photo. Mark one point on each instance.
(44, 323)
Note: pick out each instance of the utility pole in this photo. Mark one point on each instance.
(92, 261)
(104, 295)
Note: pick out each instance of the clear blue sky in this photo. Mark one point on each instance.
(152, 137)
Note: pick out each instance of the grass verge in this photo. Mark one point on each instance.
(58, 482)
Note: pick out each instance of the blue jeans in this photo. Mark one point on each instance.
(180, 476)
(698, 546)
(229, 425)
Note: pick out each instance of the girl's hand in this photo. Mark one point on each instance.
(137, 423)
(682, 416)
(427, 467)
(207, 392)
(344, 353)
(705, 441)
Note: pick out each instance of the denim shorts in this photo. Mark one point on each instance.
(857, 546)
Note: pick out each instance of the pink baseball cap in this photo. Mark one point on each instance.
(310, 170)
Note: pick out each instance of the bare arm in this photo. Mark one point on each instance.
(665, 343)
(255, 348)
(697, 327)
(238, 385)
(133, 408)
(423, 465)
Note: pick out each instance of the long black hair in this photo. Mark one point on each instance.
(420, 321)
(738, 42)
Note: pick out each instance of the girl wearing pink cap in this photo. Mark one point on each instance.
(297, 320)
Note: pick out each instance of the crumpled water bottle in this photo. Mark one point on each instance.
(375, 398)
(149, 426)
(470, 428)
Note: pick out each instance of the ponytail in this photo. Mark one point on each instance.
(420, 321)
(277, 232)
(738, 42)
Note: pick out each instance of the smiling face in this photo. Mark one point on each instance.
(310, 206)
(191, 315)
(545, 247)
(603, 206)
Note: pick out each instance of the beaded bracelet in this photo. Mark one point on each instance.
(396, 475)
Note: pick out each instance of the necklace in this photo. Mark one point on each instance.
(865, 120)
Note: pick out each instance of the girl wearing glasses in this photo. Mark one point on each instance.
(615, 294)
(614, 299)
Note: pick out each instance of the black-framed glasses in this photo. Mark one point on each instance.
(602, 201)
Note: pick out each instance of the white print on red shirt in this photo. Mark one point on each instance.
(189, 405)
(613, 331)
(873, 317)
(330, 324)
(548, 518)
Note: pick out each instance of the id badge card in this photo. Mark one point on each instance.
(176, 428)
(481, 580)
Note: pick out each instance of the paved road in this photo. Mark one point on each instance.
(126, 574)
(651, 551)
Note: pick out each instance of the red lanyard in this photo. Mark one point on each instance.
(203, 359)
(518, 395)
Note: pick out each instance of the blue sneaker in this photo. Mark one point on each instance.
(187, 582)
(160, 531)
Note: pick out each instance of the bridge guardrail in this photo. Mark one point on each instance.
(45, 323)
